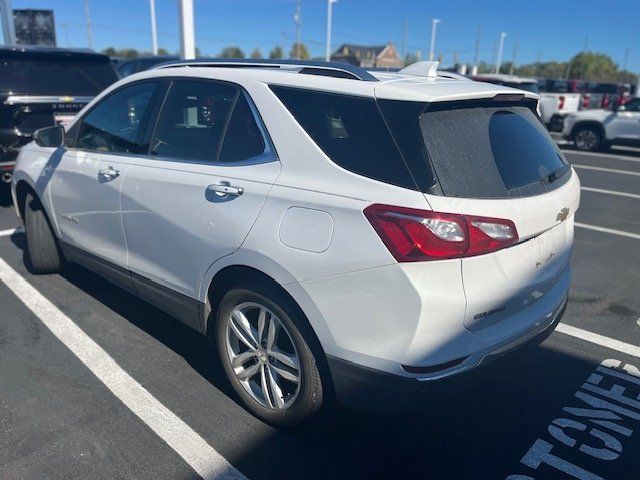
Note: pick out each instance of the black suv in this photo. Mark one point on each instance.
(40, 87)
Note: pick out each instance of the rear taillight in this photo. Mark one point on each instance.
(561, 102)
(413, 235)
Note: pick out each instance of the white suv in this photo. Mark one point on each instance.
(338, 234)
(593, 130)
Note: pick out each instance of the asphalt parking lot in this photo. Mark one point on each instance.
(132, 393)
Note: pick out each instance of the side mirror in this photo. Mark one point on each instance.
(50, 136)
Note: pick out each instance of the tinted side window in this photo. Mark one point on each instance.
(193, 120)
(243, 139)
(115, 124)
(350, 131)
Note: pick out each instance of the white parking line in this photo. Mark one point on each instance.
(604, 169)
(201, 456)
(603, 155)
(9, 232)
(599, 339)
(612, 231)
(610, 192)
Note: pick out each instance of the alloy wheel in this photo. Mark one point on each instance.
(586, 140)
(263, 356)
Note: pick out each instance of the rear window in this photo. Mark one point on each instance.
(491, 151)
(350, 131)
(56, 76)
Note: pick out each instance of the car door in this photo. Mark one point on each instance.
(625, 123)
(86, 183)
(195, 197)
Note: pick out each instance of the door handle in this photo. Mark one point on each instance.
(108, 173)
(223, 189)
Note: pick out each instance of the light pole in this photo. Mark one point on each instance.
(154, 32)
(499, 59)
(434, 26)
(6, 15)
(327, 55)
(187, 31)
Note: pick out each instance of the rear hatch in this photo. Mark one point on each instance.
(493, 158)
(39, 88)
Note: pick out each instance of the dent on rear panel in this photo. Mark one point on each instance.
(306, 229)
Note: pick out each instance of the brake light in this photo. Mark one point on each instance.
(560, 102)
(413, 235)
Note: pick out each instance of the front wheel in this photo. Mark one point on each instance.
(43, 253)
(266, 357)
(588, 139)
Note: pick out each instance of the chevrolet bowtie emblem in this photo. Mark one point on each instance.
(562, 215)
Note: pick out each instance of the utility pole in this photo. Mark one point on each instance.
(187, 31)
(154, 33)
(514, 56)
(626, 59)
(327, 55)
(8, 27)
(586, 43)
(476, 57)
(434, 26)
(87, 17)
(500, 47)
(404, 41)
(298, 19)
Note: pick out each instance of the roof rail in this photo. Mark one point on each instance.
(331, 69)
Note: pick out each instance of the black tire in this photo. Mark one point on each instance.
(588, 138)
(311, 391)
(42, 253)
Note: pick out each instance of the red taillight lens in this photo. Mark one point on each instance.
(561, 102)
(413, 235)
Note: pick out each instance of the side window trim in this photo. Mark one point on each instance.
(78, 123)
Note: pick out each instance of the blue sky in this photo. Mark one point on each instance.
(544, 29)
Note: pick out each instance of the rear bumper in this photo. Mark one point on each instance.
(375, 391)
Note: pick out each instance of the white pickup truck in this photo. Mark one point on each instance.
(552, 107)
(597, 129)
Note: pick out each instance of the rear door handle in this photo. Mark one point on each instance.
(223, 189)
(108, 173)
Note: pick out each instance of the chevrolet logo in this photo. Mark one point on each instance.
(562, 215)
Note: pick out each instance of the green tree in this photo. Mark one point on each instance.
(231, 52)
(276, 53)
(593, 66)
(163, 51)
(299, 51)
(256, 53)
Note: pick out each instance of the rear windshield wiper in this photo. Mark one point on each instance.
(556, 174)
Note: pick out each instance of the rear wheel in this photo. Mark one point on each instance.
(267, 359)
(43, 253)
(588, 138)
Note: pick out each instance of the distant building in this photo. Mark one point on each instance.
(380, 56)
